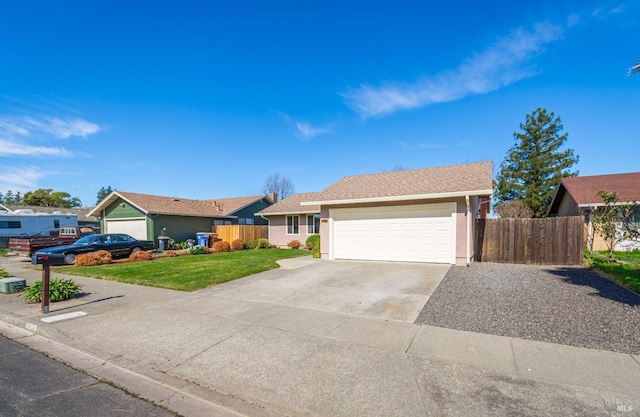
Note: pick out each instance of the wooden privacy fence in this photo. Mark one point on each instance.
(551, 241)
(246, 233)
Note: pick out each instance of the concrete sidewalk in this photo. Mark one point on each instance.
(204, 353)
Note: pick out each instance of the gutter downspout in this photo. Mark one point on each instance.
(268, 226)
(466, 199)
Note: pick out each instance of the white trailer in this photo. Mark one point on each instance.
(26, 222)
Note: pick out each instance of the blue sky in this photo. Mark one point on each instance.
(205, 99)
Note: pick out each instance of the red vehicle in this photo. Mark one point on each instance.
(30, 245)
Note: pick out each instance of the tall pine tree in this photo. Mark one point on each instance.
(534, 166)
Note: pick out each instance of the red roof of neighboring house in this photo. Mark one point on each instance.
(584, 189)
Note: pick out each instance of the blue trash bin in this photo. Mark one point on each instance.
(203, 239)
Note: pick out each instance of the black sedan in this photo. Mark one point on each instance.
(116, 243)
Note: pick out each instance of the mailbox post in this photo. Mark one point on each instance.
(46, 260)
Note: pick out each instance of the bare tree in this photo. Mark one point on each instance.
(278, 186)
(514, 209)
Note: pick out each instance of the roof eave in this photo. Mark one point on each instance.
(386, 199)
(283, 213)
(110, 199)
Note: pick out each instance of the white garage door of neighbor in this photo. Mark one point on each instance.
(134, 228)
(416, 233)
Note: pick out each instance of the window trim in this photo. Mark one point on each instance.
(293, 224)
(311, 225)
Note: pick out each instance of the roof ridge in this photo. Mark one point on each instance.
(412, 170)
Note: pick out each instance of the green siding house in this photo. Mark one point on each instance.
(145, 216)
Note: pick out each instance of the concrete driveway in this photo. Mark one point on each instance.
(381, 290)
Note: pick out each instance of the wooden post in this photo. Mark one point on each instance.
(44, 308)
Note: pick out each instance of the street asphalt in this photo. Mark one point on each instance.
(315, 338)
(32, 384)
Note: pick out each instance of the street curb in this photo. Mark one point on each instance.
(177, 395)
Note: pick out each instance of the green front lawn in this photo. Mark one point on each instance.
(624, 269)
(188, 273)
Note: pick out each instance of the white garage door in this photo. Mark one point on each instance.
(416, 233)
(134, 228)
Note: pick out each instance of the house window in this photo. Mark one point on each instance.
(245, 220)
(293, 225)
(56, 224)
(313, 224)
(10, 225)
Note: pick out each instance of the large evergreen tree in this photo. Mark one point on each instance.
(534, 166)
(103, 193)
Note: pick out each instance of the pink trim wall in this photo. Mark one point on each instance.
(278, 230)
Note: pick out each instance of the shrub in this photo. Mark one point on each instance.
(221, 246)
(198, 250)
(3, 273)
(141, 256)
(237, 244)
(170, 254)
(294, 244)
(59, 290)
(261, 243)
(101, 257)
(249, 245)
(313, 242)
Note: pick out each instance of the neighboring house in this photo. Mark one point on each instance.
(419, 215)
(146, 216)
(288, 220)
(84, 219)
(575, 196)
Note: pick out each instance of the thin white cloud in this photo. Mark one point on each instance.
(46, 127)
(306, 131)
(11, 128)
(61, 128)
(20, 179)
(606, 11)
(10, 148)
(499, 65)
(302, 129)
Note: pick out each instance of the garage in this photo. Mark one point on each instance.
(136, 228)
(411, 233)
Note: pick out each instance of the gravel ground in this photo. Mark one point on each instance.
(566, 305)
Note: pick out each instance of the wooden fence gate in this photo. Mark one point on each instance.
(550, 241)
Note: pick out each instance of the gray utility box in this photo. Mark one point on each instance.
(12, 284)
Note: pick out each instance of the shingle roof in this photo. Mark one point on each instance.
(583, 189)
(156, 204)
(233, 204)
(291, 205)
(454, 179)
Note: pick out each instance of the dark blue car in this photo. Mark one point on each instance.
(117, 244)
